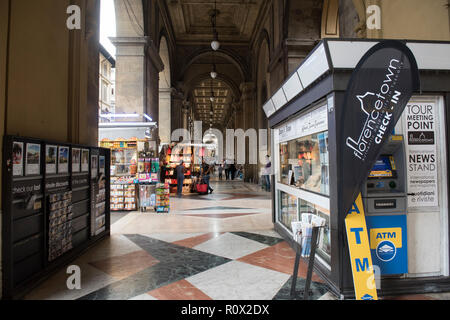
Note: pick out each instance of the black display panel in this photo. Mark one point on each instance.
(48, 189)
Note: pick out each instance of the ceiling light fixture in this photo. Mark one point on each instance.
(215, 44)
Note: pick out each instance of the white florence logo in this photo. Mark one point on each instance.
(378, 110)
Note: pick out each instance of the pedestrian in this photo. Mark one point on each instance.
(180, 169)
(206, 171)
(267, 172)
(162, 171)
(220, 171)
(227, 169)
(233, 171)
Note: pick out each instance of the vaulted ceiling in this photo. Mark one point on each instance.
(221, 96)
(236, 20)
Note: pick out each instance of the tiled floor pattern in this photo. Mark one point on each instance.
(218, 266)
(218, 246)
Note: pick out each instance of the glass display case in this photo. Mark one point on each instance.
(304, 163)
(123, 161)
(288, 209)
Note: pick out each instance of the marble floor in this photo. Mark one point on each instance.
(220, 246)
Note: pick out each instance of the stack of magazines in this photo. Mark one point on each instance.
(302, 231)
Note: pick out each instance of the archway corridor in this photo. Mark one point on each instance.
(199, 67)
(217, 246)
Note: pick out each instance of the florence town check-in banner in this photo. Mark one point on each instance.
(379, 89)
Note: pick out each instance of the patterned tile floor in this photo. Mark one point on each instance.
(216, 247)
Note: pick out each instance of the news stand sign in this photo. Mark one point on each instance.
(379, 89)
(421, 147)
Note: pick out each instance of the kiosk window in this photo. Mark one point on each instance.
(304, 163)
(288, 210)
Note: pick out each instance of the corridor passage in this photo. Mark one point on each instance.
(220, 246)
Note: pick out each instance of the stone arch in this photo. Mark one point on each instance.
(226, 54)
(206, 76)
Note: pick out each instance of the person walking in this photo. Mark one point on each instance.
(180, 169)
(233, 171)
(206, 171)
(227, 169)
(220, 171)
(267, 171)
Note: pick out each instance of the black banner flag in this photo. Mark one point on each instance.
(379, 89)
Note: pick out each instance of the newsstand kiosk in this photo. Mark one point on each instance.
(405, 196)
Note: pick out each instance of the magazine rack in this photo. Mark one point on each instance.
(55, 203)
(306, 292)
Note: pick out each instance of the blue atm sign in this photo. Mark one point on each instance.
(388, 243)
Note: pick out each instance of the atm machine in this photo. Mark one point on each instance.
(385, 202)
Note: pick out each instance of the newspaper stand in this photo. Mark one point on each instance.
(298, 254)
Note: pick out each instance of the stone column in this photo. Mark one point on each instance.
(130, 74)
(177, 109)
(249, 114)
(164, 121)
(185, 115)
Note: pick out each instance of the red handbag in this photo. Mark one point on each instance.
(202, 188)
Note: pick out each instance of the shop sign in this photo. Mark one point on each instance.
(421, 152)
(360, 256)
(309, 123)
(388, 243)
(313, 122)
(379, 89)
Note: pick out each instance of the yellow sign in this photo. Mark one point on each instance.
(379, 235)
(360, 256)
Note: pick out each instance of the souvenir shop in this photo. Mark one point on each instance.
(406, 193)
(134, 165)
(192, 155)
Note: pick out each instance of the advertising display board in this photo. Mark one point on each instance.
(420, 128)
(388, 243)
(45, 208)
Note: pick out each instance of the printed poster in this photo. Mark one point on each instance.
(421, 151)
(84, 160)
(50, 159)
(63, 160)
(94, 166)
(17, 159)
(33, 162)
(76, 160)
(101, 164)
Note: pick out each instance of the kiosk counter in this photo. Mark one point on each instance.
(406, 194)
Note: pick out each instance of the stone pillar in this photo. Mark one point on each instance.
(130, 74)
(177, 109)
(185, 115)
(164, 121)
(249, 114)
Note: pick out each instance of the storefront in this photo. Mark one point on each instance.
(134, 163)
(303, 115)
(192, 155)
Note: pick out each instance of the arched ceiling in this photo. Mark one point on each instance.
(222, 95)
(236, 20)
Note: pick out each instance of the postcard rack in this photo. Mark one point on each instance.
(55, 204)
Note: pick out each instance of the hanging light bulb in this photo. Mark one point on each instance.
(214, 74)
(215, 45)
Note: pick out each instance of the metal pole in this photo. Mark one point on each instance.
(315, 233)
(295, 273)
